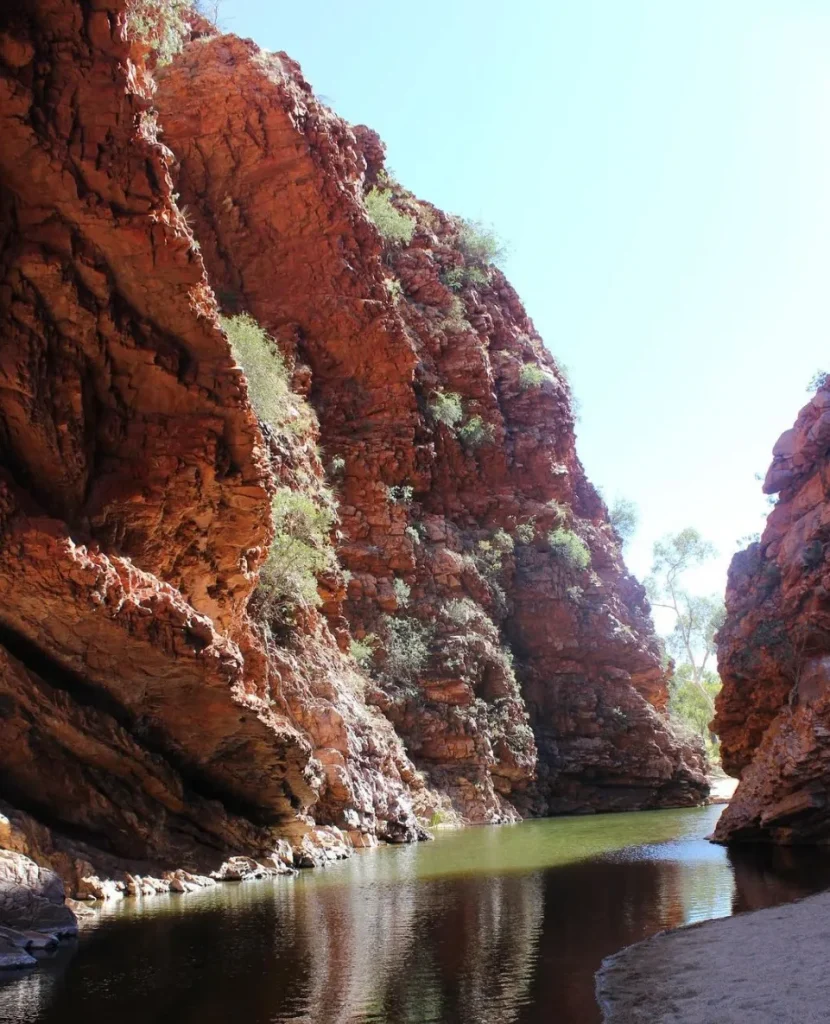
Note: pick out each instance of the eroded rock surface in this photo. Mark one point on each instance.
(439, 528)
(157, 729)
(773, 714)
(144, 716)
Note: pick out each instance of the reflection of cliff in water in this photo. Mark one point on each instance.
(390, 939)
(594, 909)
(768, 875)
(445, 950)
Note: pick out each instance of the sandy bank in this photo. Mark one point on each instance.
(765, 967)
(723, 789)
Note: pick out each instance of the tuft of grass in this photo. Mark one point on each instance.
(402, 592)
(399, 494)
(337, 467)
(394, 226)
(570, 549)
(414, 534)
(456, 320)
(558, 510)
(525, 532)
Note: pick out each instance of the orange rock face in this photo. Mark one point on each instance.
(773, 714)
(149, 715)
(144, 717)
(275, 183)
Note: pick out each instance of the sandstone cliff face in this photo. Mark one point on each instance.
(144, 717)
(773, 714)
(445, 533)
(153, 714)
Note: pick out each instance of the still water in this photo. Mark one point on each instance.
(483, 926)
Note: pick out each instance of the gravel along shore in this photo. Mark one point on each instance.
(763, 967)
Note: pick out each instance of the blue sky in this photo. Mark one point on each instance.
(660, 170)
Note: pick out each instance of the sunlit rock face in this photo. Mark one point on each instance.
(275, 184)
(773, 714)
(148, 720)
(144, 717)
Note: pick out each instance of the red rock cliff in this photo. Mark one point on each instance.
(150, 715)
(456, 523)
(143, 717)
(773, 714)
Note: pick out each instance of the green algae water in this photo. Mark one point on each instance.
(483, 926)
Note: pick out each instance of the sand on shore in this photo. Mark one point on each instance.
(764, 967)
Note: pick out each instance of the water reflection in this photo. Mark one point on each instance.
(490, 926)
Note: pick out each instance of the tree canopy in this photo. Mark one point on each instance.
(697, 618)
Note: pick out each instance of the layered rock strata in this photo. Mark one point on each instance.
(445, 527)
(160, 723)
(145, 718)
(773, 714)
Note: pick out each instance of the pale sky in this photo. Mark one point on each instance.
(660, 170)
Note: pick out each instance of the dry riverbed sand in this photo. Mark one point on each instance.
(765, 967)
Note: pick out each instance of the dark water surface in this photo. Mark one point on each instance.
(483, 926)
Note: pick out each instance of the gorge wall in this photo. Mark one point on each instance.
(156, 709)
(773, 714)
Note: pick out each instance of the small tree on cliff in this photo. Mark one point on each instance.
(623, 516)
(696, 621)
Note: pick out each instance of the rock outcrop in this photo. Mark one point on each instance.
(773, 714)
(445, 525)
(157, 716)
(144, 717)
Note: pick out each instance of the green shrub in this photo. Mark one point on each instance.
(476, 432)
(461, 611)
(413, 534)
(456, 277)
(394, 288)
(159, 24)
(407, 648)
(480, 244)
(532, 376)
(393, 225)
(488, 558)
(402, 592)
(363, 651)
(623, 517)
(300, 551)
(456, 321)
(399, 494)
(502, 541)
(446, 408)
(337, 467)
(558, 510)
(525, 532)
(818, 380)
(569, 548)
(269, 388)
